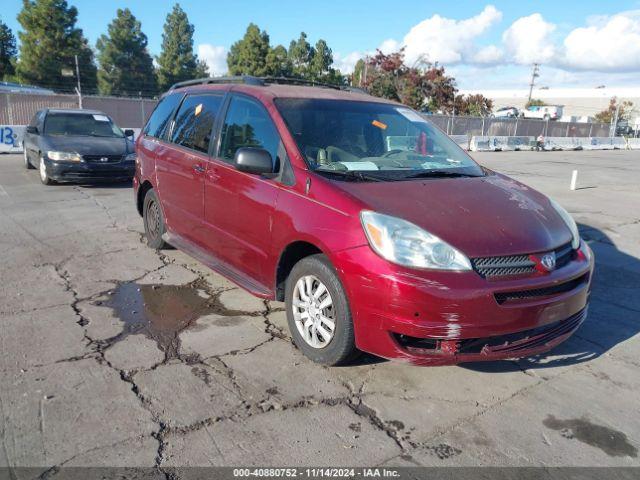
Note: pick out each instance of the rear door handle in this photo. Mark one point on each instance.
(198, 168)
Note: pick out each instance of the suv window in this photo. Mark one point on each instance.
(248, 125)
(194, 121)
(160, 119)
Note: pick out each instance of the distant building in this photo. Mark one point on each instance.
(577, 102)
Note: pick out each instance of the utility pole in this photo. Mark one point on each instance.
(78, 87)
(534, 75)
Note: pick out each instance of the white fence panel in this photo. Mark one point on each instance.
(11, 138)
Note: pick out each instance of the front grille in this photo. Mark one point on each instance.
(502, 297)
(98, 158)
(506, 266)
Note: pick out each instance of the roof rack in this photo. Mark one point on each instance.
(246, 79)
(262, 81)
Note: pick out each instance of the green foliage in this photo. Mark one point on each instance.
(608, 114)
(253, 55)
(49, 40)
(278, 63)
(357, 77)
(177, 62)
(475, 105)
(387, 76)
(7, 51)
(535, 102)
(126, 68)
(248, 56)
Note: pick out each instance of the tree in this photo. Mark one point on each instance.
(320, 67)
(300, 54)
(126, 68)
(357, 77)
(475, 105)
(429, 86)
(7, 51)
(49, 42)
(535, 102)
(609, 114)
(277, 63)
(177, 62)
(248, 56)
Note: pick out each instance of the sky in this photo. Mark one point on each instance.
(485, 45)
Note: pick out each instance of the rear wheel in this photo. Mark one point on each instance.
(27, 163)
(153, 219)
(44, 176)
(318, 312)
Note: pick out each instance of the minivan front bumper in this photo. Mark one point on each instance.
(443, 318)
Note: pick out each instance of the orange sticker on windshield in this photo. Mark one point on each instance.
(198, 109)
(378, 124)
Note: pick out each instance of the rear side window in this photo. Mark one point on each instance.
(194, 121)
(248, 125)
(160, 119)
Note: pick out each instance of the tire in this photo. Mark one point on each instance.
(153, 218)
(340, 347)
(44, 176)
(27, 163)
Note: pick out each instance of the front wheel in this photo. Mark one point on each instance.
(44, 176)
(318, 312)
(154, 226)
(27, 163)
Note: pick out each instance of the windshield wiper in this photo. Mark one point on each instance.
(439, 174)
(354, 174)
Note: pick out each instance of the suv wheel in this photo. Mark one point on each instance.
(153, 218)
(318, 312)
(44, 176)
(27, 163)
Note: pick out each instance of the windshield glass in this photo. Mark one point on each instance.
(81, 124)
(388, 142)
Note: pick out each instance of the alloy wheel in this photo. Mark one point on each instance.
(313, 311)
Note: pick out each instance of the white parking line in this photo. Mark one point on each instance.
(3, 192)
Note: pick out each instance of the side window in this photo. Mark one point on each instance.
(194, 121)
(248, 125)
(160, 119)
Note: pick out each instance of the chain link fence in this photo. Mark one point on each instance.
(517, 127)
(18, 108)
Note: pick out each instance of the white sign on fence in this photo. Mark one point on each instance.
(11, 138)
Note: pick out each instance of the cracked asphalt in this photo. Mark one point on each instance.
(112, 354)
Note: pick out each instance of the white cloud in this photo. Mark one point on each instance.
(489, 55)
(607, 44)
(528, 40)
(445, 40)
(346, 63)
(215, 57)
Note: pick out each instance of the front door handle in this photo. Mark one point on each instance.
(198, 168)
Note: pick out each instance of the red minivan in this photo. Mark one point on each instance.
(378, 232)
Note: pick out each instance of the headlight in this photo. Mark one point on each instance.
(406, 244)
(571, 223)
(130, 157)
(64, 156)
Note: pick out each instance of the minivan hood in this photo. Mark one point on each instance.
(481, 216)
(88, 145)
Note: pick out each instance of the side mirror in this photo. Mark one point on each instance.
(32, 129)
(129, 133)
(253, 160)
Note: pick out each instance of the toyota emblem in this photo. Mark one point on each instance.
(548, 261)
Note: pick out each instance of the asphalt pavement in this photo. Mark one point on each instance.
(113, 354)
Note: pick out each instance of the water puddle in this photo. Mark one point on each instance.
(611, 442)
(160, 312)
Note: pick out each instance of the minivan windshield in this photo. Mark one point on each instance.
(80, 124)
(372, 141)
